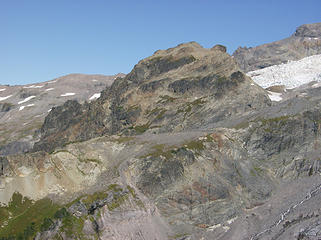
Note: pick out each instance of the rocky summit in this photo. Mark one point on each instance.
(306, 41)
(184, 147)
(183, 88)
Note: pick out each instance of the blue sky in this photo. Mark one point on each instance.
(42, 39)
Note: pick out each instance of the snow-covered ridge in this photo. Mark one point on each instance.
(291, 74)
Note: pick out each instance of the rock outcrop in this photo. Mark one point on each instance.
(306, 41)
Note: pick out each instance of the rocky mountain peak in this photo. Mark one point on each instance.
(185, 87)
(309, 30)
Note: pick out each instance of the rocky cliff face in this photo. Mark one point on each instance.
(306, 41)
(186, 146)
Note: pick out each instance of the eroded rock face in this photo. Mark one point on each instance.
(179, 88)
(306, 41)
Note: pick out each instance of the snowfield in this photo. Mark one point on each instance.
(291, 74)
(276, 97)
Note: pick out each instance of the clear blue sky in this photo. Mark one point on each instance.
(44, 39)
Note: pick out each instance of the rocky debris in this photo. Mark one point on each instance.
(306, 41)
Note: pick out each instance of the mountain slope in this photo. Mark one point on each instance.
(186, 146)
(23, 108)
(306, 41)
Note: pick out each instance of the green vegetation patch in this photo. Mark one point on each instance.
(124, 139)
(89, 199)
(159, 112)
(73, 226)
(187, 107)
(166, 99)
(195, 145)
(242, 125)
(279, 120)
(256, 171)
(198, 145)
(23, 218)
(160, 150)
(141, 128)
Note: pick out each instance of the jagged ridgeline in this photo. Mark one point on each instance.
(184, 147)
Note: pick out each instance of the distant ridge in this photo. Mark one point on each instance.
(306, 41)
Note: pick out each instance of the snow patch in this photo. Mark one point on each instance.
(23, 107)
(49, 89)
(26, 99)
(33, 86)
(212, 228)
(95, 96)
(2, 89)
(95, 80)
(316, 85)
(52, 81)
(231, 220)
(50, 110)
(276, 97)
(291, 74)
(4, 98)
(67, 94)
